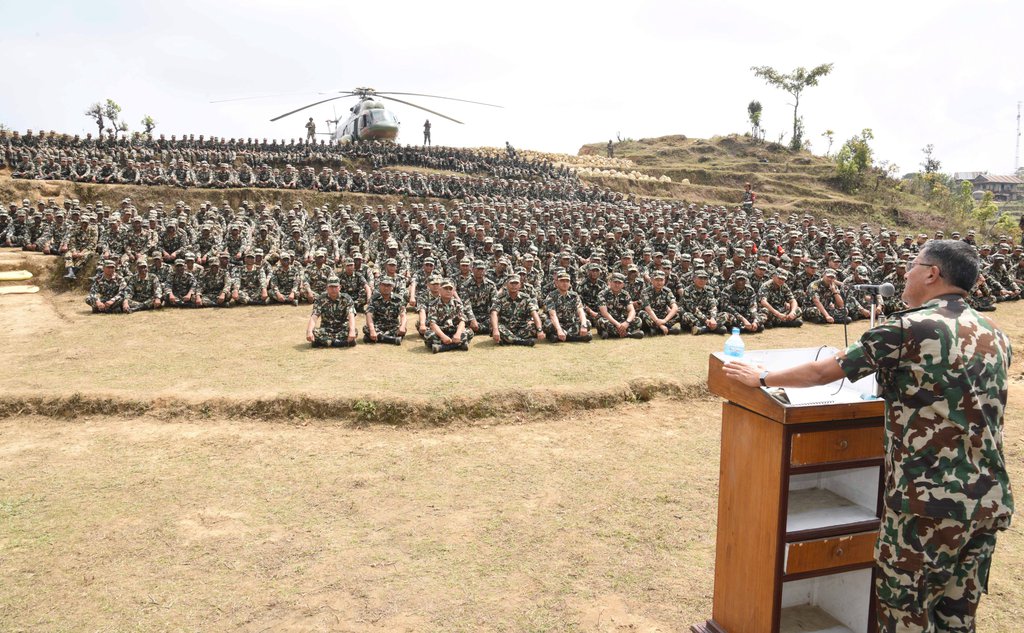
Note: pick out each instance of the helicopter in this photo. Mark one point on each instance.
(369, 119)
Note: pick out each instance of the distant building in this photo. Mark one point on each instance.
(1003, 188)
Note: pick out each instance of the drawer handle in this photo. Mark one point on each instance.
(839, 552)
(844, 444)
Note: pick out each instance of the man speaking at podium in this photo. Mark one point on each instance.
(942, 369)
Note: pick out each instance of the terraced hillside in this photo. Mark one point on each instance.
(715, 171)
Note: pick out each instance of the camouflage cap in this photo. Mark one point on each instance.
(177, 262)
(619, 277)
(829, 273)
(141, 262)
(658, 274)
(563, 275)
(286, 255)
(111, 263)
(513, 279)
(333, 281)
(429, 261)
(782, 273)
(741, 274)
(190, 255)
(479, 264)
(387, 281)
(390, 261)
(249, 254)
(700, 274)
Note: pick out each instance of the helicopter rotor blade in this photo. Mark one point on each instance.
(417, 94)
(443, 116)
(308, 106)
(283, 94)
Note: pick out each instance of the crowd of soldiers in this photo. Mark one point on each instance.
(326, 166)
(517, 270)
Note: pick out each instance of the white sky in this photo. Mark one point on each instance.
(568, 73)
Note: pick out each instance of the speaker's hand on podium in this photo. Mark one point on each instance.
(747, 373)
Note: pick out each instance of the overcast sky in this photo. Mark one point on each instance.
(946, 73)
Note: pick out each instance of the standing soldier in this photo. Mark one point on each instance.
(336, 316)
(426, 132)
(311, 130)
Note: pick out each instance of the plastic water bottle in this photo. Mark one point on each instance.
(734, 347)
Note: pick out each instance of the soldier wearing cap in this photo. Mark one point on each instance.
(446, 326)
(514, 317)
(79, 244)
(180, 287)
(660, 313)
(314, 279)
(336, 316)
(354, 284)
(214, 284)
(143, 290)
(827, 304)
(385, 315)
(479, 293)
(418, 287)
(107, 291)
(250, 283)
(779, 307)
(740, 302)
(1009, 289)
(698, 306)
(285, 284)
(567, 320)
(618, 318)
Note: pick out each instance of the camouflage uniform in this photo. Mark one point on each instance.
(105, 290)
(386, 316)
(741, 302)
(515, 317)
(778, 297)
(942, 369)
(660, 302)
(250, 285)
(181, 282)
(826, 295)
(697, 305)
(566, 308)
(617, 304)
(447, 316)
(214, 281)
(480, 296)
(140, 293)
(334, 314)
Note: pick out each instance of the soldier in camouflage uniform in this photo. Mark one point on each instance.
(250, 283)
(942, 369)
(514, 318)
(660, 312)
(479, 293)
(213, 288)
(590, 292)
(740, 302)
(981, 297)
(618, 318)
(826, 300)
(79, 244)
(143, 291)
(336, 316)
(778, 304)
(285, 284)
(107, 291)
(567, 320)
(698, 306)
(181, 286)
(446, 322)
(385, 315)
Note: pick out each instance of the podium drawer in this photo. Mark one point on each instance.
(836, 445)
(829, 553)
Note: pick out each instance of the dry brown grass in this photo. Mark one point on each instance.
(600, 521)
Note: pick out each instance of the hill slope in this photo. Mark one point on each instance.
(715, 170)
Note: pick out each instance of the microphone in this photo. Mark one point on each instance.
(885, 290)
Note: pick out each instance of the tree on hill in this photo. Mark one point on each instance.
(113, 113)
(96, 113)
(754, 114)
(854, 159)
(794, 83)
(930, 164)
(148, 124)
(830, 136)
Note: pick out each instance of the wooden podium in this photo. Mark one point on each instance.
(799, 501)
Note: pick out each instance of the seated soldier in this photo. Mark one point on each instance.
(739, 301)
(618, 318)
(181, 286)
(514, 318)
(778, 304)
(214, 285)
(446, 321)
(250, 283)
(432, 294)
(385, 315)
(286, 281)
(699, 307)
(143, 291)
(567, 319)
(660, 312)
(107, 291)
(826, 297)
(337, 318)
